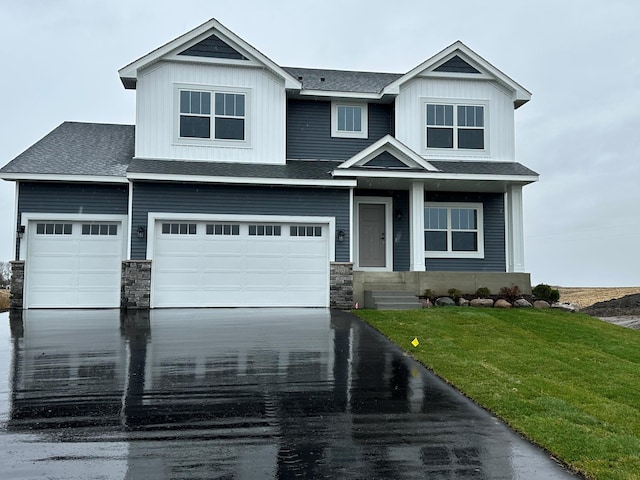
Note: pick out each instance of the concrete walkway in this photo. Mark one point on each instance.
(242, 394)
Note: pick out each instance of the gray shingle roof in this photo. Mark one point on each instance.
(342, 80)
(483, 168)
(294, 169)
(78, 149)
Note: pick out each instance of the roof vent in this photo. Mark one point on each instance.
(322, 79)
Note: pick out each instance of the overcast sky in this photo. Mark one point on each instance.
(580, 131)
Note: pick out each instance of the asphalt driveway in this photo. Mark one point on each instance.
(236, 394)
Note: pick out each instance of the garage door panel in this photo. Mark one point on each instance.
(240, 269)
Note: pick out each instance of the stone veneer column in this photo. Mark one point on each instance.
(135, 286)
(16, 300)
(341, 286)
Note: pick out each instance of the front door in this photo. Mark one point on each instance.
(372, 235)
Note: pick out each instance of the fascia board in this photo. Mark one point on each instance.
(524, 179)
(241, 180)
(131, 71)
(61, 178)
(338, 94)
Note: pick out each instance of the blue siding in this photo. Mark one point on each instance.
(309, 131)
(88, 198)
(238, 200)
(386, 160)
(213, 47)
(494, 235)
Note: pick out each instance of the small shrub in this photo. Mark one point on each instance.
(483, 292)
(428, 293)
(454, 293)
(510, 293)
(4, 300)
(544, 292)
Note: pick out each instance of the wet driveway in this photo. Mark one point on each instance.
(235, 394)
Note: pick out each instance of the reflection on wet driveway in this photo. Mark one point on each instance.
(236, 394)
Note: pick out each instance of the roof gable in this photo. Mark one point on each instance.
(206, 43)
(459, 60)
(388, 154)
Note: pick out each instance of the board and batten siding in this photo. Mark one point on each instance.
(71, 198)
(494, 234)
(238, 200)
(309, 131)
(157, 113)
(499, 116)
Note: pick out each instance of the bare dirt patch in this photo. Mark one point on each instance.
(4, 299)
(587, 296)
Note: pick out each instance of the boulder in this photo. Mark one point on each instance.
(444, 302)
(501, 303)
(567, 307)
(522, 303)
(481, 302)
(541, 304)
(463, 302)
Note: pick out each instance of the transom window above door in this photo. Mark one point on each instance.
(455, 126)
(349, 120)
(219, 116)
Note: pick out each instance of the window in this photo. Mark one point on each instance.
(453, 230)
(265, 230)
(53, 229)
(223, 229)
(350, 121)
(455, 126)
(305, 231)
(99, 229)
(179, 228)
(212, 115)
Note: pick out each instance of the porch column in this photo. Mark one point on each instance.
(416, 227)
(515, 229)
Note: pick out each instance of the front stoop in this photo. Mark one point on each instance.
(391, 300)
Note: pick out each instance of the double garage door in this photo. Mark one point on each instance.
(74, 264)
(240, 264)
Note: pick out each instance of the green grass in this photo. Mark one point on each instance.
(567, 381)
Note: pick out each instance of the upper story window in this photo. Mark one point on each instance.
(453, 230)
(349, 120)
(455, 126)
(213, 115)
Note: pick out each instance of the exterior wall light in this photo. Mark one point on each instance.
(20, 231)
(341, 235)
(141, 231)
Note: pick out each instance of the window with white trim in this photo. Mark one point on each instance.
(349, 120)
(101, 229)
(265, 230)
(453, 230)
(455, 126)
(53, 228)
(179, 229)
(305, 231)
(216, 115)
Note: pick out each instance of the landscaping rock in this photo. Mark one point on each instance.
(567, 307)
(426, 303)
(522, 303)
(481, 302)
(445, 302)
(501, 303)
(463, 302)
(541, 304)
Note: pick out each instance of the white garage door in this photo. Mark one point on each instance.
(227, 264)
(73, 264)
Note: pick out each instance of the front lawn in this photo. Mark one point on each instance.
(567, 381)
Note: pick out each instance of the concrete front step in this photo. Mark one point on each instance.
(391, 300)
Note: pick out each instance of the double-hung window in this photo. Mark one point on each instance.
(213, 115)
(453, 230)
(455, 126)
(349, 120)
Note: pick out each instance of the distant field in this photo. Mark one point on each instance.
(586, 296)
(4, 299)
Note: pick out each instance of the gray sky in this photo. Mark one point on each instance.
(580, 131)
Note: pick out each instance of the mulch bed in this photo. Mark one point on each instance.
(618, 307)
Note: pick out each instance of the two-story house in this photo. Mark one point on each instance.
(244, 183)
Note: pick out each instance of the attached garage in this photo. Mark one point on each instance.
(229, 262)
(74, 263)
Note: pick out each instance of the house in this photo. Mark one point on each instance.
(244, 183)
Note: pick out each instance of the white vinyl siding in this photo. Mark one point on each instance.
(157, 111)
(410, 114)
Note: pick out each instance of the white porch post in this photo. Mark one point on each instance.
(515, 229)
(416, 227)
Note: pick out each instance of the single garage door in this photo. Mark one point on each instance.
(227, 264)
(73, 264)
